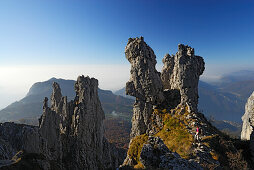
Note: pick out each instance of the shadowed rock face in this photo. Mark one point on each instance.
(144, 84)
(74, 131)
(15, 137)
(70, 134)
(182, 71)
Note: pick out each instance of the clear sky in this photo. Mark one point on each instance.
(47, 35)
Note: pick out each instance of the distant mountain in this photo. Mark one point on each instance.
(122, 92)
(219, 104)
(243, 89)
(30, 106)
(226, 99)
(238, 76)
(231, 128)
(223, 102)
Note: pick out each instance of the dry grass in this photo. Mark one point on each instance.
(176, 136)
(139, 166)
(215, 156)
(136, 147)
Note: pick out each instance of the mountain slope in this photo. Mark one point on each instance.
(219, 104)
(243, 89)
(237, 76)
(31, 105)
(122, 92)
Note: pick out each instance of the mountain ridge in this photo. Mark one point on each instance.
(30, 105)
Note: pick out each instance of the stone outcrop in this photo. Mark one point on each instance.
(144, 84)
(155, 154)
(176, 86)
(181, 72)
(248, 123)
(16, 137)
(247, 126)
(70, 134)
(166, 108)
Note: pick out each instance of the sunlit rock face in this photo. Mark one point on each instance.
(144, 84)
(177, 85)
(248, 123)
(247, 117)
(181, 71)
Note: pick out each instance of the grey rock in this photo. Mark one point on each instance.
(181, 72)
(70, 134)
(177, 85)
(155, 154)
(248, 123)
(16, 137)
(74, 130)
(247, 126)
(144, 84)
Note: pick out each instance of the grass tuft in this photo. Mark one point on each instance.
(136, 147)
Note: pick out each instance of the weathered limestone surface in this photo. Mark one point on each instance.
(181, 72)
(155, 154)
(247, 117)
(177, 85)
(15, 137)
(248, 123)
(144, 84)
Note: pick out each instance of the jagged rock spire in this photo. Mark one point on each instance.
(56, 96)
(182, 71)
(144, 84)
(74, 130)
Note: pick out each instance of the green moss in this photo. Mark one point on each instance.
(136, 147)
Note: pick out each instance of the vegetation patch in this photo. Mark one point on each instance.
(139, 166)
(215, 156)
(175, 134)
(136, 147)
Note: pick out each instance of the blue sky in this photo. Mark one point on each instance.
(40, 39)
(96, 32)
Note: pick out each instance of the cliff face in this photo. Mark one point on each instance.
(16, 137)
(144, 84)
(70, 134)
(165, 114)
(246, 118)
(181, 72)
(179, 79)
(248, 123)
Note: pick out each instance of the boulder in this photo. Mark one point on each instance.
(155, 154)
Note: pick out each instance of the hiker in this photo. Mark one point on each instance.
(197, 134)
